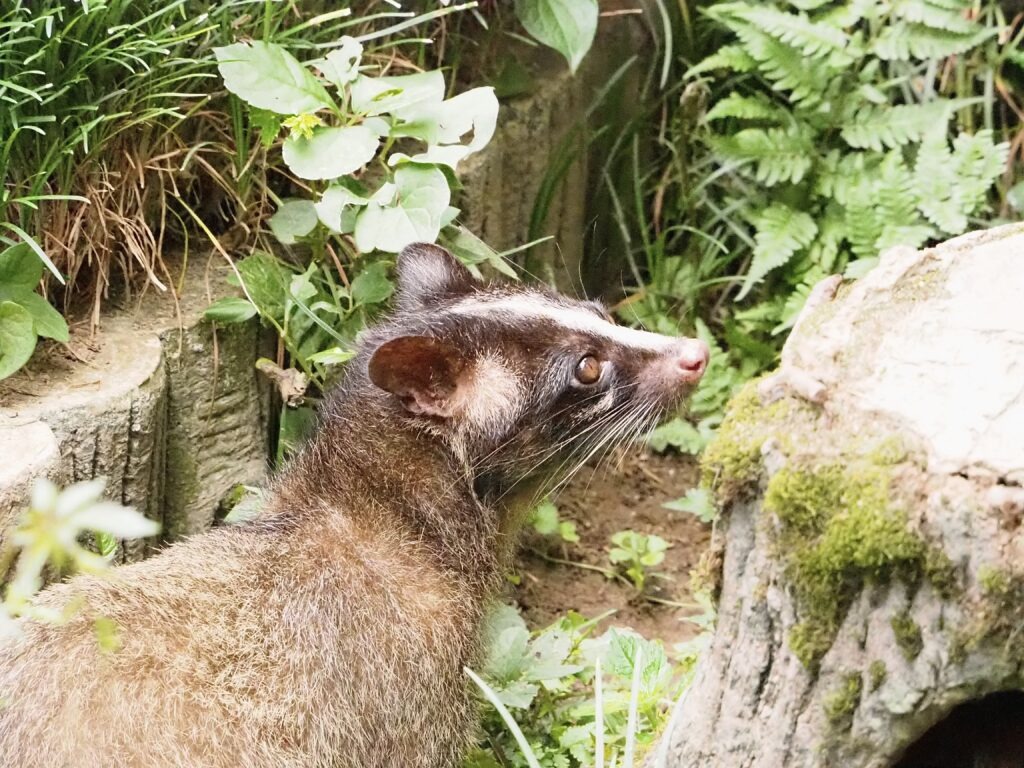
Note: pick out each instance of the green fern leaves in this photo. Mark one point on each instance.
(781, 232)
(835, 145)
(886, 127)
(777, 154)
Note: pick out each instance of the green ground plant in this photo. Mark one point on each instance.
(544, 681)
(546, 521)
(637, 555)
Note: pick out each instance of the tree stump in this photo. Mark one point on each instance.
(870, 577)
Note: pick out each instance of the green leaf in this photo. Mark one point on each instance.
(568, 26)
(332, 356)
(883, 127)
(696, 502)
(952, 185)
(265, 75)
(471, 250)
(267, 123)
(372, 285)
(341, 66)
(17, 337)
(785, 67)
(412, 214)
(933, 14)
(335, 203)
(544, 518)
(781, 232)
(20, 267)
(444, 124)
(730, 57)
(27, 239)
(395, 95)
(755, 107)
(230, 309)
(331, 152)
(294, 219)
(797, 30)
(906, 42)
(46, 320)
(678, 433)
(779, 155)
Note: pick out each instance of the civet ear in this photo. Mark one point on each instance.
(428, 273)
(425, 374)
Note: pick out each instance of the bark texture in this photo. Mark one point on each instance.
(872, 563)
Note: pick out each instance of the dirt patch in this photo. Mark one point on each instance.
(602, 501)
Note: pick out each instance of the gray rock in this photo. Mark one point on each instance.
(873, 574)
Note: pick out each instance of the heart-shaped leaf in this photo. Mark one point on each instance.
(395, 95)
(341, 66)
(46, 321)
(20, 267)
(414, 215)
(265, 75)
(372, 286)
(444, 125)
(331, 152)
(17, 337)
(230, 309)
(294, 219)
(333, 204)
(568, 26)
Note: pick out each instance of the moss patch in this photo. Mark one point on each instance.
(731, 464)
(840, 531)
(997, 618)
(877, 674)
(908, 635)
(842, 703)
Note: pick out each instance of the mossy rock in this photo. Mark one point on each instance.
(871, 494)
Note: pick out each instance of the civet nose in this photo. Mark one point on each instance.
(692, 359)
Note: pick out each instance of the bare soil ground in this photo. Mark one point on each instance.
(614, 497)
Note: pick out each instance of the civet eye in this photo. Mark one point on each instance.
(588, 370)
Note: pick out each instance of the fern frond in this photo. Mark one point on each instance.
(952, 185)
(895, 200)
(906, 42)
(910, 235)
(780, 233)
(808, 5)
(779, 155)
(811, 38)
(784, 66)
(731, 57)
(742, 107)
(824, 251)
(931, 14)
(884, 127)
(862, 225)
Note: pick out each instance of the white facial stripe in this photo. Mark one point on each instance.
(572, 318)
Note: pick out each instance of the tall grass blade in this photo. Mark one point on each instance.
(513, 726)
(634, 701)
